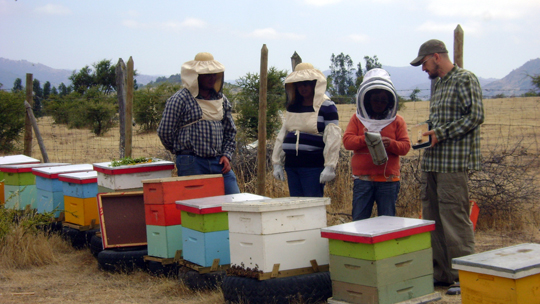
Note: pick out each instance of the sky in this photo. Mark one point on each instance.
(161, 35)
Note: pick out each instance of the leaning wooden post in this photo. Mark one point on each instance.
(121, 95)
(261, 152)
(458, 46)
(32, 118)
(27, 122)
(129, 107)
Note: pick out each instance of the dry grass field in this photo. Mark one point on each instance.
(72, 276)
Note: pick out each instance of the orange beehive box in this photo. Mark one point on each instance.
(171, 189)
(81, 211)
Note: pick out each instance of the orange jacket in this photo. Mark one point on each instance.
(361, 162)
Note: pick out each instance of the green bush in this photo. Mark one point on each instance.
(98, 115)
(12, 114)
(149, 103)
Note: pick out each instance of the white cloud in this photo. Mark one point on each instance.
(361, 38)
(434, 27)
(167, 26)
(270, 33)
(484, 10)
(321, 2)
(53, 9)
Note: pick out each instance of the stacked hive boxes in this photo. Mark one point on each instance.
(12, 160)
(80, 202)
(20, 185)
(205, 228)
(279, 234)
(163, 221)
(50, 192)
(501, 276)
(381, 260)
(129, 177)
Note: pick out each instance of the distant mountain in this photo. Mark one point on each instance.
(517, 82)
(13, 69)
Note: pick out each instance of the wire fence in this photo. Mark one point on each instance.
(509, 121)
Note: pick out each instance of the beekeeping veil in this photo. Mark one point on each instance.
(376, 79)
(305, 122)
(204, 63)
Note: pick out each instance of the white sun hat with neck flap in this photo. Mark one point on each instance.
(203, 63)
(304, 72)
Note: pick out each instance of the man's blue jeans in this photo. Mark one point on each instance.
(194, 165)
(305, 181)
(365, 193)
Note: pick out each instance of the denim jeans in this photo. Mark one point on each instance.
(195, 165)
(305, 181)
(365, 193)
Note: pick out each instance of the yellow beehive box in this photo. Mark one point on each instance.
(509, 275)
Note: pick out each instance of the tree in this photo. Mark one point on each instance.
(341, 69)
(247, 102)
(63, 90)
(414, 95)
(359, 76)
(105, 75)
(12, 114)
(536, 82)
(372, 63)
(82, 80)
(54, 91)
(46, 90)
(17, 86)
(38, 97)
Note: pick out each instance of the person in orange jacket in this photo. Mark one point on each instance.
(377, 103)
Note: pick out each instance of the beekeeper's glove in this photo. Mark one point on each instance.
(279, 174)
(327, 174)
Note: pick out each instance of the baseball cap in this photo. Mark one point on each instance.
(427, 48)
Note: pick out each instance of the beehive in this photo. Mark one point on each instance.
(12, 160)
(381, 260)
(284, 231)
(50, 190)
(505, 275)
(205, 229)
(80, 201)
(130, 177)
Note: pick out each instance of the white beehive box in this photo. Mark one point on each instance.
(291, 250)
(277, 215)
(131, 176)
(17, 159)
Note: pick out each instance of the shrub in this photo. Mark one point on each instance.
(12, 115)
(149, 103)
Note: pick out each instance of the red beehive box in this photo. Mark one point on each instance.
(171, 189)
(162, 215)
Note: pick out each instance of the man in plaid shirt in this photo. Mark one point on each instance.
(456, 112)
(197, 124)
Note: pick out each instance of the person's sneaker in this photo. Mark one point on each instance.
(454, 289)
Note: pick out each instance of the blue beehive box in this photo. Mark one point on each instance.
(164, 241)
(48, 201)
(79, 184)
(202, 248)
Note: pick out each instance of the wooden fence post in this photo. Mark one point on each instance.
(121, 95)
(458, 46)
(261, 152)
(295, 60)
(129, 107)
(32, 118)
(27, 121)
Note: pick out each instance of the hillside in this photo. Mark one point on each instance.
(13, 69)
(517, 82)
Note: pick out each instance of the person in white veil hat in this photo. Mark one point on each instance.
(376, 111)
(308, 144)
(197, 124)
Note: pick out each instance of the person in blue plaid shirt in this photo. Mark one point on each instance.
(455, 115)
(197, 124)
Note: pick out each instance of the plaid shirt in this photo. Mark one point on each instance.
(181, 128)
(456, 112)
